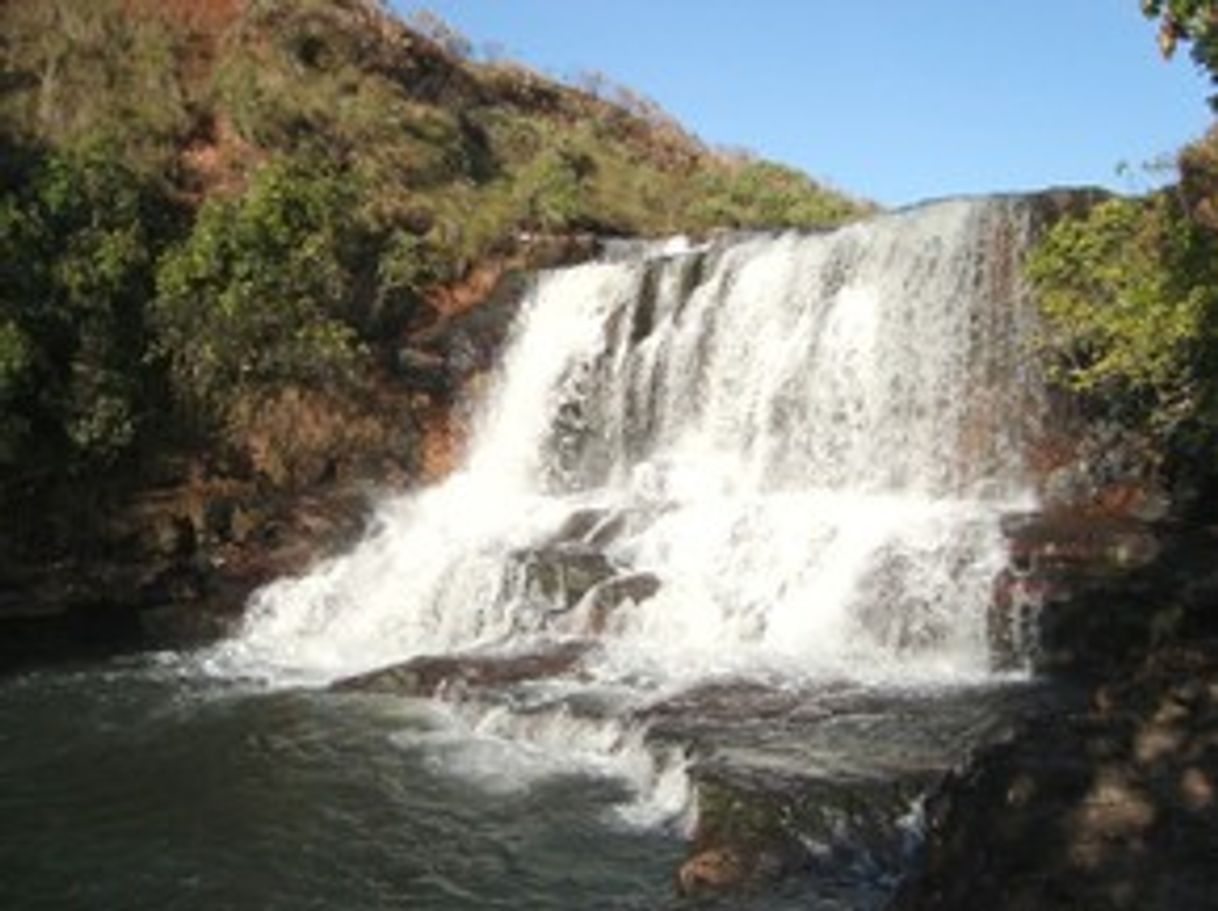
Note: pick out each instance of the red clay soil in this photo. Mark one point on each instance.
(216, 159)
(468, 292)
(442, 447)
(204, 15)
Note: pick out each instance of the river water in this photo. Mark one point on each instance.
(131, 785)
(142, 784)
(756, 487)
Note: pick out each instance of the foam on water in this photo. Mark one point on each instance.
(806, 440)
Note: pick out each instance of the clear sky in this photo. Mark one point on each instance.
(893, 100)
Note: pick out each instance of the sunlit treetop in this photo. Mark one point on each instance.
(1192, 21)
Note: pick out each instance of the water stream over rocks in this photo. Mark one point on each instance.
(757, 479)
(719, 567)
(782, 453)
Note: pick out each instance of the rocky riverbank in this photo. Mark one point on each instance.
(1108, 800)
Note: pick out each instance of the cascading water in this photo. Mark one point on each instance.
(788, 452)
(777, 459)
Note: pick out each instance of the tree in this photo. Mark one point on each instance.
(262, 292)
(1129, 293)
(1192, 21)
(79, 237)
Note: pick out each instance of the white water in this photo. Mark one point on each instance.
(807, 441)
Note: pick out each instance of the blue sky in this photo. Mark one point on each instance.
(894, 100)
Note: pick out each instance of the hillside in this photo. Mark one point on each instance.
(199, 93)
(233, 237)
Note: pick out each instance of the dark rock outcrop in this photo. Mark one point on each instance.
(171, 567)
(558, 577)
(1106, 801)
(430, 675)
(1108, 807)
(1103, 591)
(821, 784)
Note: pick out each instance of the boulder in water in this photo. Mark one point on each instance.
(594, 527)
(430, 675)
(560, 575)
(634, 588)
(712, 871)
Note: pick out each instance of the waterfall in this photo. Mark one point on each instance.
(787, 453)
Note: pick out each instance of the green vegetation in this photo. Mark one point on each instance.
(204, 201)
(79, 237)
(1129, 291)
(761, 192)
(260, 291)
(79, 71)
(1193, 21)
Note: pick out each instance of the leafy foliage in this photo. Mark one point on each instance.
(203, 204)
(1194, 21)
(1130, 295)
(78, 241)
(261, 292)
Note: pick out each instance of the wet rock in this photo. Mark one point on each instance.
(712, 871)
(892, 612)
(1070, 597)
(1092, 543)
(1090, 593)
(578, 525)
(560, 576)
(1100, 806)
(425, 370)
(609, 596)
(755, 827)
(446, 355)
(430, 675)
(592, 527)
(819, 783)
(1013, 618)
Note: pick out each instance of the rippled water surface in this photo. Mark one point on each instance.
(123, 788)
(132, 785)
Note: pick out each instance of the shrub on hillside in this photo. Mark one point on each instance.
(79, 235)
(753, 193)
(1129, 293)
(77, 70)
(263, 291)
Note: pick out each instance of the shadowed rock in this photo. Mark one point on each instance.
(820, 782)
(1110, 806)
(429, 675)
(594, 527)
(611, 595)
(560, 576)
(1093, 543)
(1087, 591)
